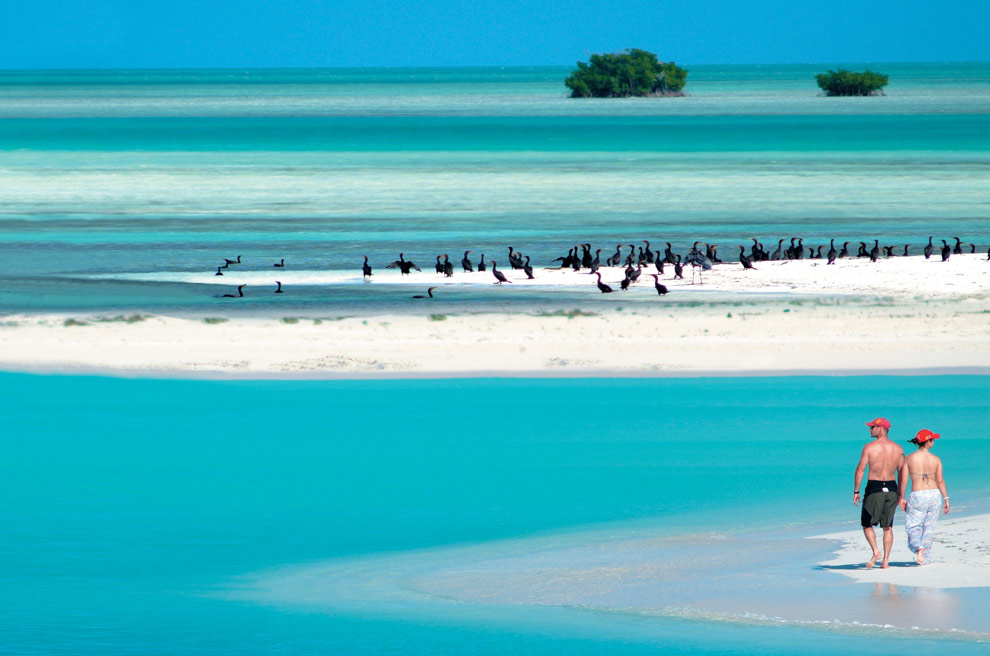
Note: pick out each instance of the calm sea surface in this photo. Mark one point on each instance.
(137, 512)
(117, 186)
(138, 515)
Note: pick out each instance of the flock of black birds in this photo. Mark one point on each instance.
(701, 257)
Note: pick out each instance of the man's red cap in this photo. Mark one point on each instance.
(879, 421)
(924, 435)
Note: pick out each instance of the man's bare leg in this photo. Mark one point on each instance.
(871, 537)
(888, 545)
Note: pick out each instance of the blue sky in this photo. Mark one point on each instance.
(307, 33)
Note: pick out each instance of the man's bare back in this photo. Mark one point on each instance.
(883, 458)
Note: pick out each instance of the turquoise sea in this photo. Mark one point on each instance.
(169, 516)
(376, 517)
(125, 189)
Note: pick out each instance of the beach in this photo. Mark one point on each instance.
(898, 315)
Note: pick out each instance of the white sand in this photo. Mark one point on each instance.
(897, 315)
(960, 556)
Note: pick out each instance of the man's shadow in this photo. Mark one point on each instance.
(906, 563)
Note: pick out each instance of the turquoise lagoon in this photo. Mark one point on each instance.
(175, 516)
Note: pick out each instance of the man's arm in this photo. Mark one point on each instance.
(864, 460)
(903, 474)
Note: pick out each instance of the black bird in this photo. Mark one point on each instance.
(429, 293)
(641, 260)
(240, 292)
(438, 266)
(629, 271)
(776, 254)
(229, 262)
(929, 249)
(832, 252)
(659, 265)
(624, 285)
(279, 290)
(789, 251)
(862, 250)
(946, 251)
(714, 256)
(845, 250)
(466, 263)
(515, 260)
(448, 266)
(280, 264)
(799, 249)
(218, 273)
(405, 266)
(586, 256)
(605, 289)
(661, 289)
(678, 268)
(597, 262)
(988, 253)
(875, 251)
(576, 261)
(481, 265)
(632, 255)
(650, 255)
(365, 268)
(616, 258)
(958, 248)
(745, 261)
(634, 276)
(668, 255)
(567, 261)
(499, 276)
(906, 249)
(818, 255)
(888, 251)
(972, 248)
(528, 269)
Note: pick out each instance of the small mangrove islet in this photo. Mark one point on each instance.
(848, 83)
(633, 72)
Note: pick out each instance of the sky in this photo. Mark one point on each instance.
(399, 33)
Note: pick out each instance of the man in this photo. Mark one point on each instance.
(928, 495)
(885, 460)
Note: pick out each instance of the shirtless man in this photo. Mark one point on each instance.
(885, 460)
(928, 494)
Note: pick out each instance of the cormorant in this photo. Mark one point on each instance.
(586, 256)
(650, 255)
(632, 254)
(499, 276)
(659, 265)
(875, 251)
(888, 251)
(845, 250)
(678, 268)
(668, 255)
(240, 292)
(515, 259)
(365, 268)
(946, 251)
(634, 276)
(661, 289)
(799, 249)
(597, 262)
(429, 292)
(958, 248)
(929, 249)
(862, 250)
(528, 269)
(280, 264)
(466, 263)
(776, 254)
(831, 251)
(615, 259)
(218, 273)
(448, 266)
(229, 262)
(745, 261)
(624, 285)
(789, 251)
(481, 265)
(972, 248)
(438, 266)
(605, 289)
(279, 290)
(405, 266)
(906, 249)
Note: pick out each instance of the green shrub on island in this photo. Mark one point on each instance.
(631, 73)
(847, 83)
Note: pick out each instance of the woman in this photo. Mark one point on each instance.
(927, 491)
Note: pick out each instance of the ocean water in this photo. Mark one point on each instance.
(117, 186)
(170, 516)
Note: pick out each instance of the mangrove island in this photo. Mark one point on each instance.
(633, 72)
(848, 83)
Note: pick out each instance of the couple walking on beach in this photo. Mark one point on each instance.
(884, 493)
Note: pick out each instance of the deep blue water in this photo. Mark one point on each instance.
(130, 506)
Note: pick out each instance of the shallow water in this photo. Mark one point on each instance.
(169, 172)
(140, 513)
